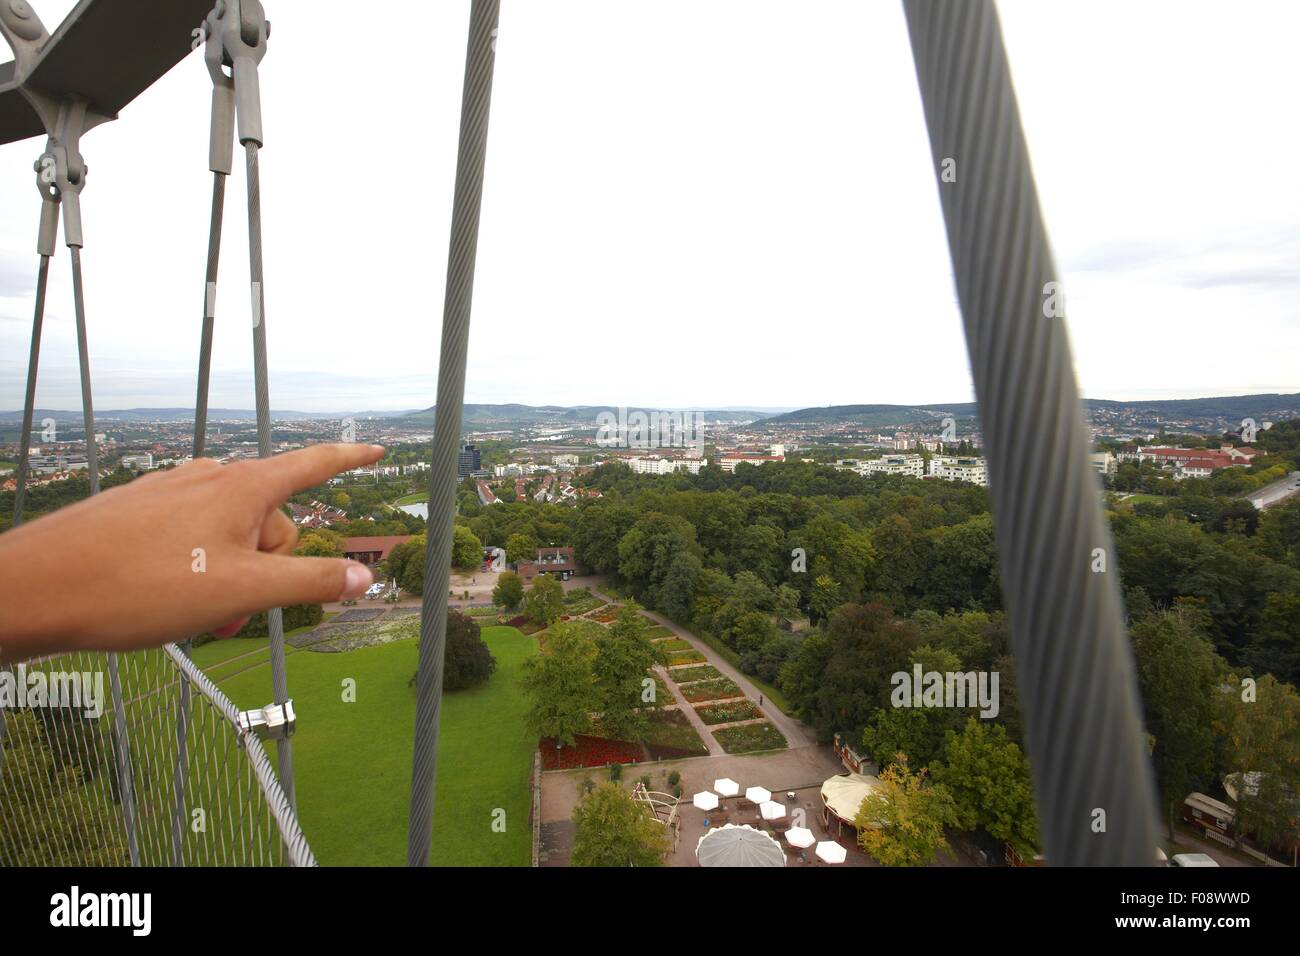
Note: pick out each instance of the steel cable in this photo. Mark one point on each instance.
(274, 616)
(1092, 777)
(476, 101)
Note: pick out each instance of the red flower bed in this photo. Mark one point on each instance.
(519, 621)
(589, 752)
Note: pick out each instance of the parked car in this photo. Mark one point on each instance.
(1192, 859)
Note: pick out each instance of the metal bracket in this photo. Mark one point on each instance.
(23, 29)
(272, 722)
(235, 35)
(61, 173)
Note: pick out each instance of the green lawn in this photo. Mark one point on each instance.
(209, 655)
(415, 498)
(352, 761)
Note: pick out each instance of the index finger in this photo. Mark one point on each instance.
(283, 475)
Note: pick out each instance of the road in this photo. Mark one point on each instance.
(1278, 491)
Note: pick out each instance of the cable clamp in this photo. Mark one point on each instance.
(272, 722)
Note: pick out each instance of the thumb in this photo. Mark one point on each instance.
(283, 580)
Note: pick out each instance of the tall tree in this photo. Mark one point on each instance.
(467, 660)
(544, 602)
(509, 591)
(561, 685)
(521, 547)
(988, 777)
(1260, 721)
(902, 823)
(624, 656)
(1178, 671)
(612, 829)
(466, 548)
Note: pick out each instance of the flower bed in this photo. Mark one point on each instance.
(685, 657)
(607, 614)
(589, 752)
(684, 675)
(674, 644)
(581, 601)
(727, 713)
(671, 735)
(750, 737)
(659, 631)
(719, 689)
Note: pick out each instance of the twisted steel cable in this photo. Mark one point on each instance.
(29, 403)
(1092, 777)
(476, 101)
(274, 616)
(200, 444)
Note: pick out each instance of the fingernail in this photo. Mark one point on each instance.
(355, 583)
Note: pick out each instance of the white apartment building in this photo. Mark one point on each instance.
(655, 465)
(728, 463)
(138, 462)
(1105, 463)
(565, 461)
(960, 468)
(913, 465)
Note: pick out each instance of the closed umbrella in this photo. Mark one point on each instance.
(801, 837)
(831, 852)
(726, 787)
(705, 800)
(771, 810)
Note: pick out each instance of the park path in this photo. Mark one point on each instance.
(796, 734)
(683, 705)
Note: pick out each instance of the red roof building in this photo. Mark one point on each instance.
(372, 550)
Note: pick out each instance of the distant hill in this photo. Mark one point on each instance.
(477, 414)
(872, 415)
(1230, 408)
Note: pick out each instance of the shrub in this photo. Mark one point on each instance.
(674, 778)
(615, 772)
(467, 661)
(295, 616)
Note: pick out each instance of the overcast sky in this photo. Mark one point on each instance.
(688, 203)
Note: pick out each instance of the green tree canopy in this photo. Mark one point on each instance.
(902, 823)
(561, 685)
(509, 591)
(612, 829)
(988, 777)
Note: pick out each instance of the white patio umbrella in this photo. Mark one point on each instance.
(757, 795)
(726, 787)
(831, 852)
(734, 845)
(801, 837)
(705, 800)
(771, 810)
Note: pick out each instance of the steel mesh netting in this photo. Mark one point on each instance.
(175, 781)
